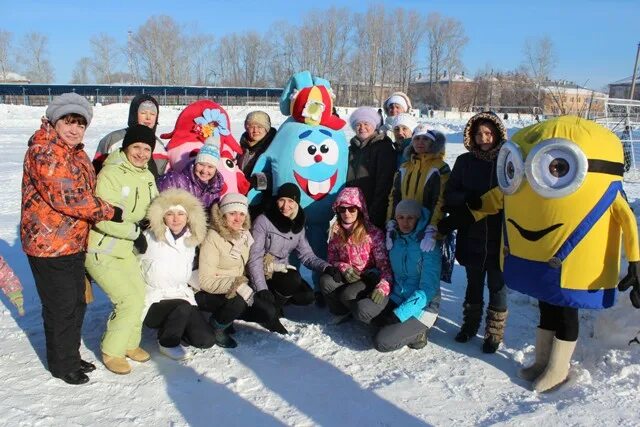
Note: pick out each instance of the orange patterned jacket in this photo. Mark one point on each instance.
(58, 201)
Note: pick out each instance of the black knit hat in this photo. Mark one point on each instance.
(139, 133)
(289, 190)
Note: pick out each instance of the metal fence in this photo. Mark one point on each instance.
(622, 117)
(39, 94)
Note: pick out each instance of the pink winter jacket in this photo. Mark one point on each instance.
(369, 254)
(8, 280)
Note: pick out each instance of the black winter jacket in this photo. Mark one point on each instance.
(473, 174)
(372, 165)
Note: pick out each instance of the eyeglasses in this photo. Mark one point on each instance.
(350, 209)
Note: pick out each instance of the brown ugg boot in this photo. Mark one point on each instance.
(471, 315)
(494, 330)
(117, 365)
(544, 340)
(558, 367)
(138, 354)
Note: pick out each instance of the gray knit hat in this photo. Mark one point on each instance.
(68, 103)
(259, 117)
(408, 207)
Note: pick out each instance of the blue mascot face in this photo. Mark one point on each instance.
(314, 158)
(315, 162)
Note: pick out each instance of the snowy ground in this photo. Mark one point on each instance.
(320, 374)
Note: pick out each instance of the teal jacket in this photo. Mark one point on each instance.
(131, 188)
(416, 273)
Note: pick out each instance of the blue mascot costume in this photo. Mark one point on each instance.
(309, 150)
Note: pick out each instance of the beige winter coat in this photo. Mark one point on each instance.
(223, 257)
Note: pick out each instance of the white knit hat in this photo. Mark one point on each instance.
(405, 119)
(234, 202)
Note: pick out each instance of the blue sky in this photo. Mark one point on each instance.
(595, 41)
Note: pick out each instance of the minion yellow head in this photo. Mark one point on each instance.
(560, 179)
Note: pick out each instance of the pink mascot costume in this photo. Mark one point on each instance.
(203, 122)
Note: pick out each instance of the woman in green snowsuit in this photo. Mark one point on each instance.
(126, 182)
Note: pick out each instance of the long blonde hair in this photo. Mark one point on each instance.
(358, 233)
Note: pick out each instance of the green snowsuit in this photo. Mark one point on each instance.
(110, 255)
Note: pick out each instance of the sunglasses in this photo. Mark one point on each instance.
(350, 209)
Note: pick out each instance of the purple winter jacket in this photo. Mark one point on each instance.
(278, 235)
(207, 192)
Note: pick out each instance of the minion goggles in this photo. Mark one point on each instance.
(554, 168)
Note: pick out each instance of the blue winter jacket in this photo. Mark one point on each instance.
(416, 273)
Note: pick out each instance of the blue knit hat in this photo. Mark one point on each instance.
(209, 153)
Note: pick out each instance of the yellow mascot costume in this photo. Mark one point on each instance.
(565, 214)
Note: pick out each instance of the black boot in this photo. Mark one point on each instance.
(420, 341)
(471, 315)
(75, 378)
(86, 367)
(276, 326)
(220, 335)
(223, 339)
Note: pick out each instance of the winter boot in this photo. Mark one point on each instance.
(276, 326)
(178, 352)
(558, 367)
(544, 340)
(138, 355)
(471, 315)
(279, 302)
(117, 365)
(220, 334)
(494, 329)
(420, 341)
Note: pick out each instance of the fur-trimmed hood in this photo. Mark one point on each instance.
(197, 220)
(217, 224)
(284, 224)
(470, 130)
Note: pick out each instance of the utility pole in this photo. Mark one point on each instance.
(633, 78)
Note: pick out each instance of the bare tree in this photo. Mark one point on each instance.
(33, 56)
(445, 40)
(539, 61)
(202, 59)
(5, 47)
(281, 64)
(106, 55)
(81, 71)
(369, 32)
(410, 33)
(158, 50)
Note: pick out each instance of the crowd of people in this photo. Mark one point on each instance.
(175, 250)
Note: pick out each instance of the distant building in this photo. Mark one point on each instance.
(449, 92)
(622, 89)
(11, 77)
(565, 97)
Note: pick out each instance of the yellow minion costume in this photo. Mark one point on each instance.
(565, 215)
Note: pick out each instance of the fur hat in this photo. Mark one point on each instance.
(209, 153)
(234, 202)
(405, 119)
(289, 190)
(69, 103)
(139, 133)
(260, 118)
(408, 207)
(365, 114)
(399, 98)
(196, 218)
